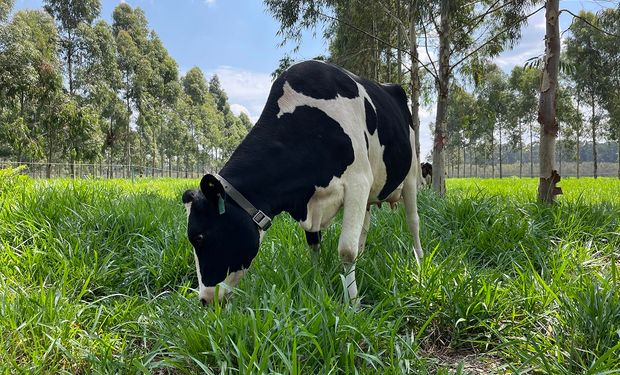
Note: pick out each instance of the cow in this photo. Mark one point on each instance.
(427, 173)
(326, 139)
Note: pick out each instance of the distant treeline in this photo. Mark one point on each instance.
(75, 89)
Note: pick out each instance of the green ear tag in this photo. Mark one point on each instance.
(220, 204)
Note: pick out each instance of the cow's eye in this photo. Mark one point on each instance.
(198, 239)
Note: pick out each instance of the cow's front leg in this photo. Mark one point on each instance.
(355, 198)
(364, 234)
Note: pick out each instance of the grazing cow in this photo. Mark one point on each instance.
(427, 173)
(326, 139)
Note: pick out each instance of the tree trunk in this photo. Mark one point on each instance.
(388, 58)
(128, 136)
(458, 161)
(441, 119)
(415, 77)
(493, 151)
(560, 147)
(500, 150)
(72, 167)
(70, 61)
(531, 150)
(593, 121)
(547, 106)
(578, 155)
(376, 53)
(520, 150)
(399, 43)
(476, 160)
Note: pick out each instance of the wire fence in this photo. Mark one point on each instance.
(565, 169)
(104, 170)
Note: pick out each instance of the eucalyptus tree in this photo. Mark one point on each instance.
(585, 55)
(463, 123)
(81, 133)
(220, 97)
(525, 86)
(245, 121)
(30, 83)
(101, 79)
(609, 44)
(569, 122)
(494, 99)
(5, 9)
(69, 16)
(196, 97)
(547, 105)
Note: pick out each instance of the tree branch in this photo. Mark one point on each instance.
(495, 37)
(588, 23)
(370, 35)
(436, 75)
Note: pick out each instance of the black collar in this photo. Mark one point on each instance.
(259, 217)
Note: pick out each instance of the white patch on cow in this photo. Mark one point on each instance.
(223, 289)
(350, 114)
(201, 287)
(188, 208)
(324, 205)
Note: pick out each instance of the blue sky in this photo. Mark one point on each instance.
(237, 40)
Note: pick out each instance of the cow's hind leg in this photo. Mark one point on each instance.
(355, 198)
(411, 208)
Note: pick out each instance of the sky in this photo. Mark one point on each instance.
(238, 41)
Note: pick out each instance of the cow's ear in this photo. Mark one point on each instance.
(211, 187)
(189, 196)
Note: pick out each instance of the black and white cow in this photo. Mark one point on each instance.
(427, 173)
(326, 139)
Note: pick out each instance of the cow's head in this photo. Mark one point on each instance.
(427, 169)
(224, 237)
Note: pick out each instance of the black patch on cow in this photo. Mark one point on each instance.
(313, 238)
(366, 139)
(281, 162)
(371, 117)
(393, 122)
(320, 80)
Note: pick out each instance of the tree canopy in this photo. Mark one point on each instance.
(74, 88)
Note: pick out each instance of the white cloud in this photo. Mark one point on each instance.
(237, 108)
(210, 2)
(246, 89)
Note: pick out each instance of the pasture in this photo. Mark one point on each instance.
(97, 276)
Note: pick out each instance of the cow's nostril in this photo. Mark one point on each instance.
(204, 302)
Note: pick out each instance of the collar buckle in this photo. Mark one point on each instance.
(263, 221)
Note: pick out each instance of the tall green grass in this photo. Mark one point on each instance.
(97, 277)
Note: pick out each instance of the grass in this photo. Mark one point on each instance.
(97, 276)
